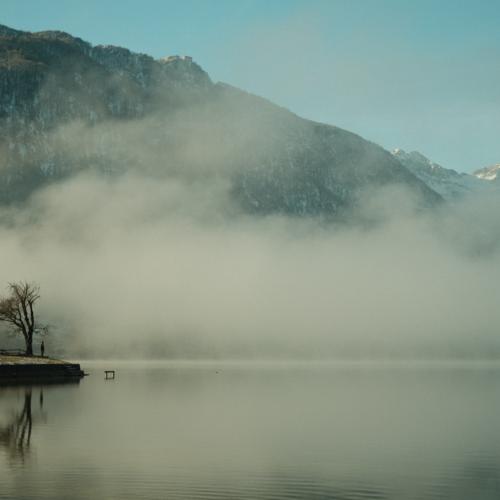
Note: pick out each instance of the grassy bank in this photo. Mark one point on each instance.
(7, 359)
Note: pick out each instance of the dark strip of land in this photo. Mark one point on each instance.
(37, 369)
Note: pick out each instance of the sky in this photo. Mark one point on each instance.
(419, 75)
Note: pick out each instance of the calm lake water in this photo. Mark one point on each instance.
(256, 431)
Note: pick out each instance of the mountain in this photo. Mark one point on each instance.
(68, 106)
(449, 183)
(490, 173)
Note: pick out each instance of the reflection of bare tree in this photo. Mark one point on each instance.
(16, 435)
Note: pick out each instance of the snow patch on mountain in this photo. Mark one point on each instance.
(490, 173)
(449, 183)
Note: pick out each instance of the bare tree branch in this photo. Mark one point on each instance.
(17, 309)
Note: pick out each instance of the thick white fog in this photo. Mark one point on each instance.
(138, 266)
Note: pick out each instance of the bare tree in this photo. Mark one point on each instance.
(17, 309)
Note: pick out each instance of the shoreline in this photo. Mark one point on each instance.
(15, 368)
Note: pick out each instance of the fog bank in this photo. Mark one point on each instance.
(140, 267)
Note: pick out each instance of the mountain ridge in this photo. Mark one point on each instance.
(178, 121)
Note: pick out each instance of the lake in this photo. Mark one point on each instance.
(241, 430)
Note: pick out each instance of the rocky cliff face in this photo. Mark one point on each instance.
(67, 106)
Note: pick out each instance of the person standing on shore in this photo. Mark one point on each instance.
(42, 348)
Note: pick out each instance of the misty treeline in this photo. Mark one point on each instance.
(17, 309)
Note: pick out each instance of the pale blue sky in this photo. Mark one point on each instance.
(416, 74)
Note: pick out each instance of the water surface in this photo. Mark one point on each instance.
(256, 431)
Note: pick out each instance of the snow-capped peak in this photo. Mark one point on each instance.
(490, 173)
(449, 183)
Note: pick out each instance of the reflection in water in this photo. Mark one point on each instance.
(15, 435)
(246, 432)
(18, 415)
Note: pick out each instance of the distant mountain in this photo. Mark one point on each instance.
(449, 183)
(491, 173)
(67, 106)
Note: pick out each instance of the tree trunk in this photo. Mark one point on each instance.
(29, 346)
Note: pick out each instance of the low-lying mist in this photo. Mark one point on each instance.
(133, 266)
